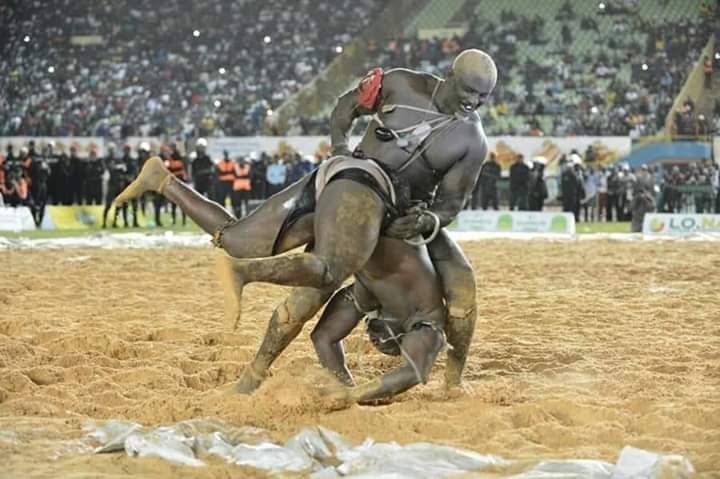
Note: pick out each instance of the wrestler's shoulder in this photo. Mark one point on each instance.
(473, 135)
(400, 77)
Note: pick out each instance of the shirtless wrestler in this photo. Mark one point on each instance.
(400, 297)
(426, 137)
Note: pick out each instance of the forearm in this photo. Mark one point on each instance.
(446, 210)
(341, 120)
(394, 382)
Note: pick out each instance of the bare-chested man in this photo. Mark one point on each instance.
(426, 137)
(399, 295)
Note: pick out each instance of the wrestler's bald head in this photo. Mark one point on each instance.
(475, 63)
(471, 78)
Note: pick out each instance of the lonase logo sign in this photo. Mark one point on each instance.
(685, 224)
(657, 225)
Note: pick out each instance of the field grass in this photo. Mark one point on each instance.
(582, 228)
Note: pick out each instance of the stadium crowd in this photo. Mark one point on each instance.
(582, 94)
(178, 68)
(206, 67)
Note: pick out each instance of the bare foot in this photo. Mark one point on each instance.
(151, 178)
(249, 381)
(232, 284)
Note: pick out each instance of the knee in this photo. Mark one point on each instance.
(319, 338)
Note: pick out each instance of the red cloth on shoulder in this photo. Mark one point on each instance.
(369, 88)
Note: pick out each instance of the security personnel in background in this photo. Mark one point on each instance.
(116, 183)
(25, 161)
(78, 171)
(16, 191)
(130, 173)
(39, 175)
(95, 170)
(489, 175)
(176, 164)
(224, 178)
(202, 169)
(538, 192)
(242, 188)
(570, 186)
(2, 174)
(643, 198)
(519, 181)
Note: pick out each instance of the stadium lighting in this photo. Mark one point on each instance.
(644, 66)
(267, 39)
(51, 69)
(222, 70)
(196, 33)
(601, 6)
(217, 103)
(26, 39)
(338, 49)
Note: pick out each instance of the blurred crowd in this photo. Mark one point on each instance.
(601, 193)
(561, 93)
(48, 175)
(578, 94)
(211, 67)
(180, 68)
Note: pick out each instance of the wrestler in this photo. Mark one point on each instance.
(400, 297)
(425, 137)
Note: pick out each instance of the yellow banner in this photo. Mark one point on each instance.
(83, 217)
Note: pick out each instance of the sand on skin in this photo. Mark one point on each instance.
(580, 349)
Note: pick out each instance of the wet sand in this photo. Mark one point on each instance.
(580, 349)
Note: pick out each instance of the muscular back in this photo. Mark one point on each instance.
(402, 279)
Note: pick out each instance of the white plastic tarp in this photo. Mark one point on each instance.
(318, 453)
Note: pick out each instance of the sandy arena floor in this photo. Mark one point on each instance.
(581, 348)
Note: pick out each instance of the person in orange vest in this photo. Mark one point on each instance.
(176, 164)
(26, 161)
(708, 70)
(242, 188)
(225, 178)
(17, 191)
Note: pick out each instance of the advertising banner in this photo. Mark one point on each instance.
(514, 222)
(87, 217)
(16, 219)
(606, 149)
(677, 224)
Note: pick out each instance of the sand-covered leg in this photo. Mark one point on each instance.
(154, 176)
(286, 322)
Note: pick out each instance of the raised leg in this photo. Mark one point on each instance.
(347, 226)
(458, 281)
(251, 237)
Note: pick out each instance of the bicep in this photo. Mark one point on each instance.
(460, 179)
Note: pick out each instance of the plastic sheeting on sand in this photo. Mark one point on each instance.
(319, 453)
(170, 239)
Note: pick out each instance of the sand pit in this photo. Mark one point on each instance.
(581, 348)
